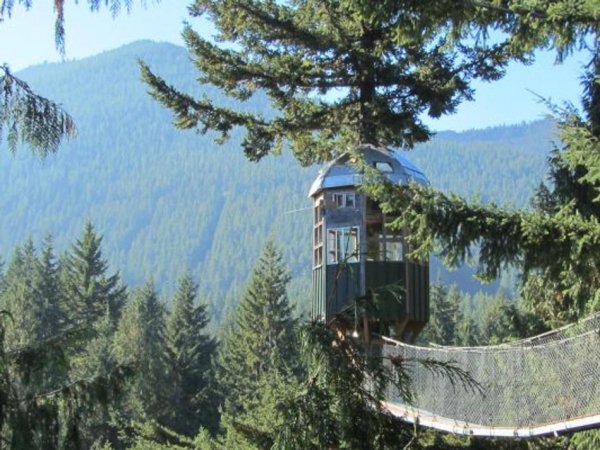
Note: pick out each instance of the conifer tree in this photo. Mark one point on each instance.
(556, 244)
(260, 338)
(448, 324)
(140, 342)
(98, 361)
(52, 316)
(191, 352)
(257, 354)
(339, 73)
(87, 287)
(25, 116)
(32, 362)
(22, 297)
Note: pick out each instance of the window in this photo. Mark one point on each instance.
(343, 200)
(382, 246)
(384, 167)
(318, 233)
(318, 256)
(342, 245)
(318, 211)
(393, 248)
(350, 200)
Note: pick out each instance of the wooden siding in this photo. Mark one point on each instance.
(418, 292)
(342, 287)
(385, 281)
(318, 294)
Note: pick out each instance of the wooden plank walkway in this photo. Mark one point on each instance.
(427, 419)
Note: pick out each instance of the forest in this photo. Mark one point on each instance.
(89, 362)
(169, 202)
(227, 358)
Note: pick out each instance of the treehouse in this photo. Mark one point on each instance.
(362, 276)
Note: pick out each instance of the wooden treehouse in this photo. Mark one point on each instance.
(362, 278)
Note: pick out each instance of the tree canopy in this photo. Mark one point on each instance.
(339, 73)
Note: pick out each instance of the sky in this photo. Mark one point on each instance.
(27, 38)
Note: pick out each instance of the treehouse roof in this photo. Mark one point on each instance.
(391, 163)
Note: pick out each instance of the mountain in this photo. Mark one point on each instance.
(167, 200)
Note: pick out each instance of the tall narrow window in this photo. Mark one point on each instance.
(393, 248)
(318, 233)
(342, 245)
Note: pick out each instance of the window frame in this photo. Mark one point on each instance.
(337, 254)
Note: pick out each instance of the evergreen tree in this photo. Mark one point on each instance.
(442, 321)
(448, 324)
(257, 353)
(52, 316)
(556, 244)
(337, 404)
(191, 352)
(260, 339)
(25, 116)
(98, 361)
(505, 320)
(87, 287)
(140, 342)
(386, 63)
(19, 301)
(22, 297)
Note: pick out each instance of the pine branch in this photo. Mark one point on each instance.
(28, 117)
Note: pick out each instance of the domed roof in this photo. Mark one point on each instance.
(390, 163)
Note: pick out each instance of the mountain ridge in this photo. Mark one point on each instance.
(167, 200)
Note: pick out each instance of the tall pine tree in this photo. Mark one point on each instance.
(340, 73)
(22, 297)
(257, 354)
(87, 287)
(191, 352)
(140, 342)
(53, 314)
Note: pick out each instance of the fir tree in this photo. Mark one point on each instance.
(556, 244)
(52, 316)
(140, 342)
(22, 297)
(87, 287)
(191, 353)
(261, 336)
(448, 324)
(386, 64)
(257, 351)
(25, 116)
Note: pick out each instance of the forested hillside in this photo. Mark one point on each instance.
(167, 200)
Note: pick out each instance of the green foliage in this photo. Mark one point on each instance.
(257, 360)
(22, 297)
(338, 404)
(555, 246)
(260, 337)
(140, 341)
(58, 380)
(138, 179)
(385, 63)
(88, 289)
(191, 351)
(504, 321)
(448, 324)
(28, 117)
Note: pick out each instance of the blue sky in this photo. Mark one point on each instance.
(28, 38)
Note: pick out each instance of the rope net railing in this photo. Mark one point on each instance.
(552, 378)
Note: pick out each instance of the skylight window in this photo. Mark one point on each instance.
(384, 167)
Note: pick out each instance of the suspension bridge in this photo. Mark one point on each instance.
(545, 385)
